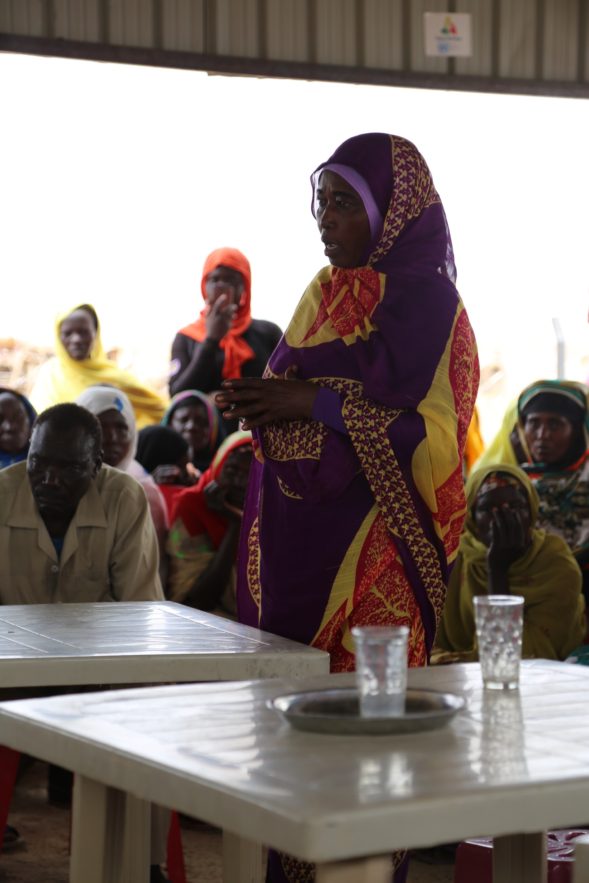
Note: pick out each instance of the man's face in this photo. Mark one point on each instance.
(60, 467)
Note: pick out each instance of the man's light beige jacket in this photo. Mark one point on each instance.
(109, 552)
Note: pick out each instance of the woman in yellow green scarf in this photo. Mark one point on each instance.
(501, 552)
(80, 361)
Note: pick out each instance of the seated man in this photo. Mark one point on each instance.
(71, 528)
(75, 530)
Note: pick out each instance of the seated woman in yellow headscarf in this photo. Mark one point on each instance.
(80, 362)
(501, 552)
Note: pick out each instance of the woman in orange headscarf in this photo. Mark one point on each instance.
(224, 342)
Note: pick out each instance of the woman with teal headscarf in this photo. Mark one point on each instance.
(548, 438)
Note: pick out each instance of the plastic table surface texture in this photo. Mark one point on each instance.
(136, 642)
(509, 762)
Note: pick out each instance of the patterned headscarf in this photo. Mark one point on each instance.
(568, 398)
(421, 239)
(495, 475)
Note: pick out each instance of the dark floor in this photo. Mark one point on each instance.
(43, 855)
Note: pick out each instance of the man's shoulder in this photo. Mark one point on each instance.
(111, 481)
(11, 479)
(13, 474)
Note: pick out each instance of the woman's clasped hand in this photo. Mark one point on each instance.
(267, 400)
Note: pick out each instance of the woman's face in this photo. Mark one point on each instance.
(116, 437)
(507, 497)
(234, 475)
(77, 333)
(224, 280)
(549, 436)
(192, 422)
(15, 426)
(342, 221)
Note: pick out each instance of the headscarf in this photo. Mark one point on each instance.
(569, 400)
(501, 449)
(7, 459)
(404, 196)
(234, 347)
(98, 399)
(546, 575)
(62, 379)
(565, 397)
(216, 427)
(392, 338)
(160, 446)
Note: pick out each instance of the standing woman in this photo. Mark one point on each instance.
(224, 341)
(80, 362)
(356, 499)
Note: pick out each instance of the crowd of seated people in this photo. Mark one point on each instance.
(96, 448)
(165, 448)
(527, 527)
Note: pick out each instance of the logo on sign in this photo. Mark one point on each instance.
(447, 34)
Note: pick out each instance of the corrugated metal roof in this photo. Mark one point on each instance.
(533, 46)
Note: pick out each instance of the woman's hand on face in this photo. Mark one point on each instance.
(217, 502)
(508, 539)
(220, 318)
(259, 401)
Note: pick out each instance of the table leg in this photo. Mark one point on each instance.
(520, 858)
(242, 860)
(110, 835)
(9, 761)
(581, 872)
(377, 869)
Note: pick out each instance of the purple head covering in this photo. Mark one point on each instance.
(411, 215)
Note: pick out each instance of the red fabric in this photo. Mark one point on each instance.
(175, 858)
(474, 858)
(9, 761)
(170, 493)
(190, 505)
(236, 350)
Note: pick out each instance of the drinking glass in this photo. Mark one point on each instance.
(499, 624)
(381, 669)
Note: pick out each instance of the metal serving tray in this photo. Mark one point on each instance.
(337, 711)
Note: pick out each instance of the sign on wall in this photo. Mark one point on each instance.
(447, 33)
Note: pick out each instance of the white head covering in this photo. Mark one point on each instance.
(98, 399)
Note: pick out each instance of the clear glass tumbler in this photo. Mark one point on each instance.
(499, 622)
(381, 669)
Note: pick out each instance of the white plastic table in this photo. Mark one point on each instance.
(52, 645)
(509, 766)
(58, 645)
